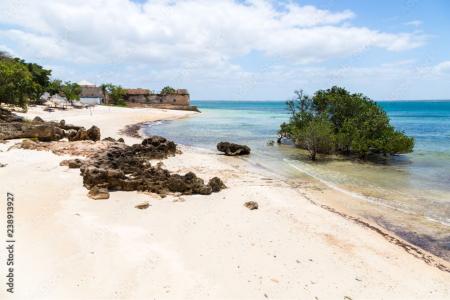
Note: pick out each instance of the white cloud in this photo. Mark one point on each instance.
(195, 32)
(442, 68)
(307, 16)
(197, 43)
(6, 49)
(414, 23)
(41, 46)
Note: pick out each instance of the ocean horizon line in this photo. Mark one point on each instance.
(267, 100)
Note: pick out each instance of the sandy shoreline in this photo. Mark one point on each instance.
(70, 246)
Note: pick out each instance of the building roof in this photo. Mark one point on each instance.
(138, 92)
(88, 91)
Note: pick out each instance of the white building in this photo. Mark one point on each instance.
(90, 93)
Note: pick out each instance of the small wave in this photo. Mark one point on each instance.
(154, 123)
(374, 200)
(445, 223)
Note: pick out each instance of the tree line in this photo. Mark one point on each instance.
(23, 83)
(335, 121)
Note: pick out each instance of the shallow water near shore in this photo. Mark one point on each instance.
(408, 194)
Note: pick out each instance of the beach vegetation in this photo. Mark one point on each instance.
(21, 82)
(55, 87)
(168, 90)
(41, 80)
(71, 91)
(337, 121)
(316, 136)
(16, 83)
(115, 93)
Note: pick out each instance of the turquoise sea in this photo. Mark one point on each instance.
(408, 194)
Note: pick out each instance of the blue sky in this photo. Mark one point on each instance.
(249, 50)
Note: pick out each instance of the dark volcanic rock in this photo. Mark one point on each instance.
(154, 140)
(45, 132)
(70, 134)
(79, 135)
(233, 149)
(251, 205)
(109, 139)
(98, 193)
(62, 124)
(188, 184)
(144, 205)
(82, 134)
(14, 127)
(93, 133)
(216, 184)
(127, 168)
(160, 144)
(7, 116)
(72, 163)
(38, 119)
(93, 176)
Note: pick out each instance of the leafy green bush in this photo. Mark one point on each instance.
(316, 136)
(21, 82)
(71, 91)
(55, 87)
(335, 121)
(168, 90)
(115, 93)
(16, 83)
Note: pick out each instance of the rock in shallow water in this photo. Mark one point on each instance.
(231, 149)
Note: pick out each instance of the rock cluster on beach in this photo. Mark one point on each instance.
(7, 116)
(231, 149)
(110, 164)
(127, 168)
(77, 148)
(82, 134)
(15, 127)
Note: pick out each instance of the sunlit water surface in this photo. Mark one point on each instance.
(412, 191)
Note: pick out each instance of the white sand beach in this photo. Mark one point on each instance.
(69, 246)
